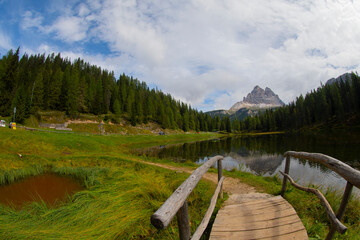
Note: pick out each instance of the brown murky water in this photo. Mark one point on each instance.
(50, 188)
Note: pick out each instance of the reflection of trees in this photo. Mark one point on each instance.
(343, 149)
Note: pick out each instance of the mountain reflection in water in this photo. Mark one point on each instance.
(263, 155)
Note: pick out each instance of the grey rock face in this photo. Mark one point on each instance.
(255, 102)
(344, 77)
(258, 98)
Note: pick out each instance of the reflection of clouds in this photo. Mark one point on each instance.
(259, 163)
(228, 163)
(306, 175)
(254, 162)
(302, 172)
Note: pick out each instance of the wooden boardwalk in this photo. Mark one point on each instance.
(265, 218)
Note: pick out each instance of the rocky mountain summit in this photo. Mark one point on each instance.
(344, 77)
(258, 99)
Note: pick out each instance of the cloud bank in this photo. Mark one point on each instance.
(207, 53)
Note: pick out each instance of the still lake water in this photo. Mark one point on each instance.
(263, 155)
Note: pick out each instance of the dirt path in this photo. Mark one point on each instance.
(238, 191)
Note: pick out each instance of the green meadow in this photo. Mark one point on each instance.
(120, 196)
(121, 192)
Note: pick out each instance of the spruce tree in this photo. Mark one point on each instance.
(38, 92)
(116, 108)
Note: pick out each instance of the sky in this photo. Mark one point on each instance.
(208, 53)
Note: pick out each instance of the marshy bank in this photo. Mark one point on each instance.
(122, 193)
(119, 196)
(117, 206)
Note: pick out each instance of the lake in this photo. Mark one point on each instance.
(263, 155)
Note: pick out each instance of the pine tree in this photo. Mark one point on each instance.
(81, 98)
(98, 98)
(73, 93)
(66, 83)
(8, 81)
(38, 92)
(22, 103)
(186, 121)
(116, 108)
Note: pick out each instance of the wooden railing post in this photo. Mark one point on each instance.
(287, 167)
(341, 211)
(176, 204)
(220, 174)
(183, 222)
(351, 175)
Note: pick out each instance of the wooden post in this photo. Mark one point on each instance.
(341, 211)
(163, 216)
(287, 167)
(183, 222)
(220, 174)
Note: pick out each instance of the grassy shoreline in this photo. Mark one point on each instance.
(110, 168)
(121, 194)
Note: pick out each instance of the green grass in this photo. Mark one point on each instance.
(121, 194)
(118, 205)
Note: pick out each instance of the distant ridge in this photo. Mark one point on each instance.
(258, 99)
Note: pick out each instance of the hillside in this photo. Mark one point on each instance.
(335, 105)
(38, 83)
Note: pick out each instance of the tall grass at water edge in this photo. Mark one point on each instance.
(117, 206)
(74, 151)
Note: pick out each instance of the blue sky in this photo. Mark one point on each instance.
(208, 53)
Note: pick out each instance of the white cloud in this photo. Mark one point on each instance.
(192, 49)
(5, 41)
(31, 19)
(83, 10)
(70, 29)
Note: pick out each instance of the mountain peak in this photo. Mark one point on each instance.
(258, 98)
(345, 77)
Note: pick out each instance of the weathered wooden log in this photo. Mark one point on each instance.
(341, 210)
(201, 228)
(163, 216)
(341, 228)
(348, 173)
(183, 222)
(220, 174)
(287, 168)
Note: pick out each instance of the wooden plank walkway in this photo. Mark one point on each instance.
(267, 218)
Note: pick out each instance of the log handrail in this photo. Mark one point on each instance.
(348, 173)
(351, 175)
(176, 204)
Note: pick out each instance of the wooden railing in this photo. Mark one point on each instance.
(351, 175)
(177, 204)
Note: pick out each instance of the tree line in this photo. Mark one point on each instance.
(337, 102)
(39, 82)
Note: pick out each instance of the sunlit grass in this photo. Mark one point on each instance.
(121, 193)
(117, 204)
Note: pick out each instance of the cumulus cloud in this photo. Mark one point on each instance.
(32, 20)
(212, 53)
(5, 41)
(70, 29)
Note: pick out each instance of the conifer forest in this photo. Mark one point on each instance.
(39, 82)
